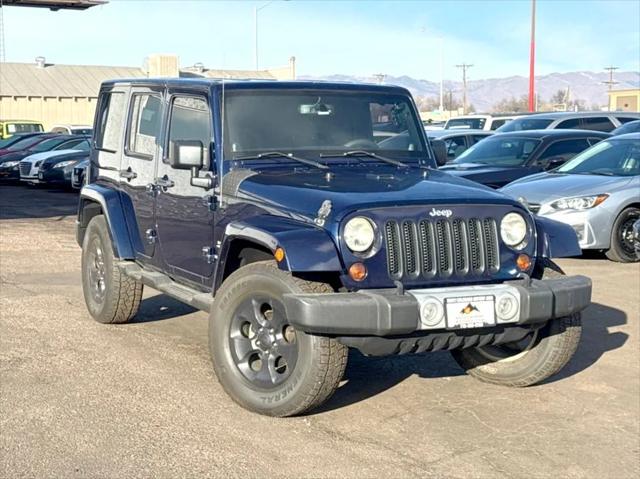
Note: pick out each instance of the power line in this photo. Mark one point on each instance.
(464, 67)
(610, 83)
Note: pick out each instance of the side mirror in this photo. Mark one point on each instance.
(440, 151)
(187, 154)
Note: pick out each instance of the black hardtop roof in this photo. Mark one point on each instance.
(258, 84)
(557, 132)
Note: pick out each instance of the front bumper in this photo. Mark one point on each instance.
(392, 312)
(592, 227)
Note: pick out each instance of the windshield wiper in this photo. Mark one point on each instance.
(279, 154)
(369, 154)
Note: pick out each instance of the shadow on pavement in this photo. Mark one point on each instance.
(368, 376)
(161, 307)
(22, 201)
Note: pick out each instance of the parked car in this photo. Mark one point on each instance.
(458, 141)
(79, 174)
(73, 129)
(8, 128)
(13, 139)
(597, 193)
(58, 170)
(313, 237)
(505, 157)
(479, 122)
(629, 127)
(430, 125)
(595, 120)
(58, 145)
(11, 156)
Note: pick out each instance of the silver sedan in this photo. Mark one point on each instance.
(597, 193)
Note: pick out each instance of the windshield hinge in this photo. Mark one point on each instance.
(323, 213)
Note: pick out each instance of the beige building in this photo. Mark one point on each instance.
(624, 100)
(67, 94)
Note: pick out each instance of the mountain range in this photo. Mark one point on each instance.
(484, 94)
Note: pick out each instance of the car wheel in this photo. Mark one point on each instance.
(110, 296)
(622, 243)
(261, 361)
(538, 356)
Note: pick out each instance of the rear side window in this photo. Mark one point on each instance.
(626, 119)
(495, 124)
(600, 123)
(572, 123)
(190, 121)
(110, 119)
(565, 149)
(145, 122)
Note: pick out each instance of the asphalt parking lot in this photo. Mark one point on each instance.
(80, 399)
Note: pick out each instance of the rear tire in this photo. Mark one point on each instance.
(544, 353)
(622, 248)
(260, 360)
(110, 296)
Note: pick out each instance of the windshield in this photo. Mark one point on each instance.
(466, 123)
(25, 143)
(499, 152)
(609, 158)
(23, 128)
(47, 145)
(312, 122)
(521, 124)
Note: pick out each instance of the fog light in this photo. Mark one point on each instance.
(506, 306)
(523, 262)
(357, 271)
(431, 311)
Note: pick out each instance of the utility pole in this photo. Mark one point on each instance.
(532, 58)
(464, 67)
(610, 83)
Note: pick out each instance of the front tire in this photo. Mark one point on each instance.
(110, 296)
(540, 355)
(622, 248)
(261, 361)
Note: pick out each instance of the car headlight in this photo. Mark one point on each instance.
(9, 164)
(578, 202)
(62, 164)
(359, 234)
(513, 230)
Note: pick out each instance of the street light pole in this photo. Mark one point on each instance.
(532, 58)
(255, 31)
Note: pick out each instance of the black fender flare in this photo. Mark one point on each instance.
(556, 239)
(111, 207)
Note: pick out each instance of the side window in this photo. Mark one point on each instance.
(112, 111)
(495, 124)
(189, 121)
(564, 149)
(600, 123)
(144, 127)
(625, 119)
(455, 146)
(68, 144)
(476, 138)
(593, 141)
(572, 123)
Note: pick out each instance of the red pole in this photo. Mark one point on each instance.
(532, 59)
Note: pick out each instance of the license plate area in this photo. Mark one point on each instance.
(470, 311)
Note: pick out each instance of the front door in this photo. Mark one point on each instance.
(185, 221)
(138, 167)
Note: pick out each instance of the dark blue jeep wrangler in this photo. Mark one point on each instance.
(308, 218)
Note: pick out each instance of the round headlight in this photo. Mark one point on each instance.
(359, 234)
(513, 230)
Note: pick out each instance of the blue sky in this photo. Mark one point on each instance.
(348, 37)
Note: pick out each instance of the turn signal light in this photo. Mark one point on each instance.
(278, 254)
(357, 271)
(523, 262)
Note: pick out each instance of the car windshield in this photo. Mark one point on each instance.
(25, 143)
(522, 124)
(48, 145)
(23, 128)
(608, 158)
(308, 123)
(466, 123)
(499, 151)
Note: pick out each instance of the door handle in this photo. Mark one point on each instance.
(165, 182)
(128, 174)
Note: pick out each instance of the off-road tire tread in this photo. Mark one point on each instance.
(125, 296)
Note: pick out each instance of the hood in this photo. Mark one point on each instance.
(12, 156)
(470, 169)
(45, 155)
(352, 187)
(545, 187)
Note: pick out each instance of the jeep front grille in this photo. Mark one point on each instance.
(25, 168)
(441, 248)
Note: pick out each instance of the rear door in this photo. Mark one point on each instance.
(184, 218)
(138, 166)
(558, 152)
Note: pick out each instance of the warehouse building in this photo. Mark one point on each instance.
(67, 94)
(624, 100)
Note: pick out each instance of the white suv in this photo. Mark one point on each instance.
(478, 122)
